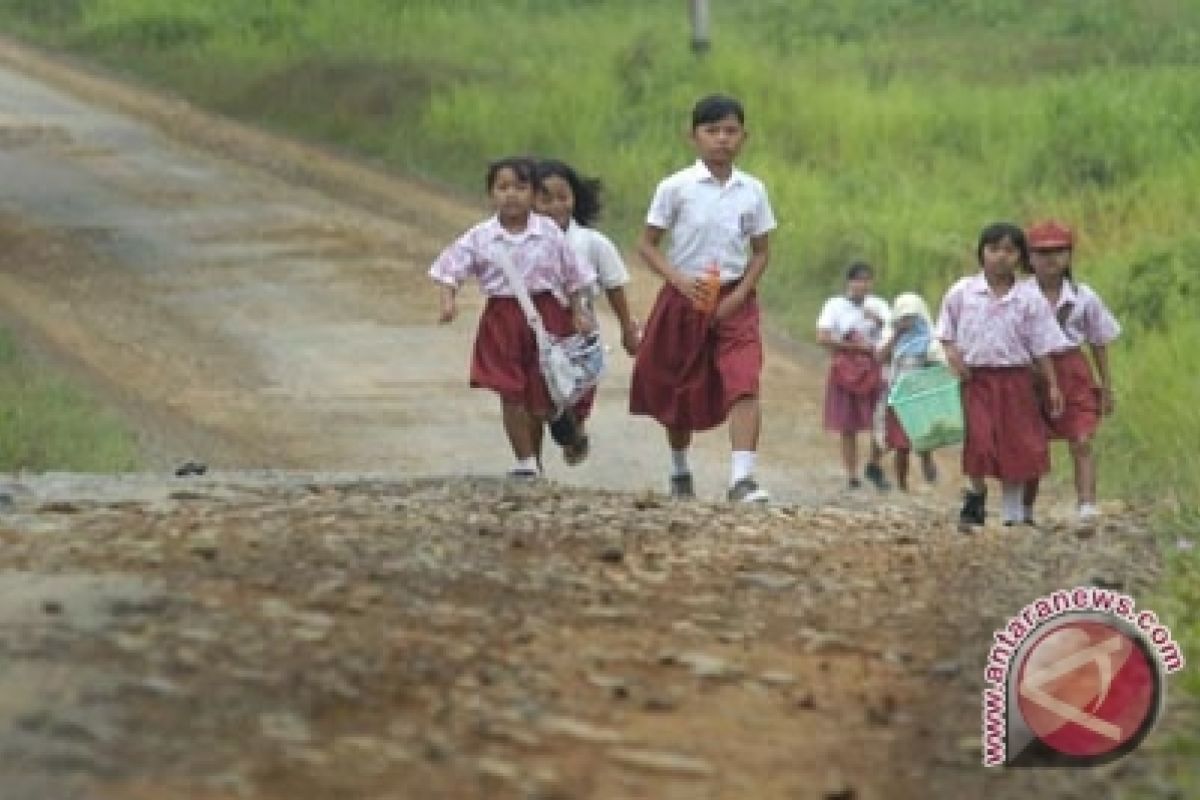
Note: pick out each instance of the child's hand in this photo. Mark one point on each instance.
(448, 312)
(957, 365)
(1054, 399)
(584, 323)
(728, 304)
(631, 337)
(691, 288)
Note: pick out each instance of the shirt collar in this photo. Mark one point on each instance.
(1067, 294)
(979, 285)
(534, 229)
(704, 175)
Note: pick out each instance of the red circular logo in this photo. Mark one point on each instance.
(1087, 688)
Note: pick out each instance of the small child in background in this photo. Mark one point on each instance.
(573, 202)
(851, 327)
(505, 357)
(911, 347)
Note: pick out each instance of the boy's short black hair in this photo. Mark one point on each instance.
(715, 108)
(998, 232)
(522, 166)
(859, 269)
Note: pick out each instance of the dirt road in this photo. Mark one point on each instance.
(291, 328)
(260, 305)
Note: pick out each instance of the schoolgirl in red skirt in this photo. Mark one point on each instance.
(505, 357)
(701, 354)
(1084, 320)
(573, 202)
(993, 327)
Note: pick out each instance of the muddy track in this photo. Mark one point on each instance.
(261, 304)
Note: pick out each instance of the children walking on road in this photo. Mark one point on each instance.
(573, 202)
(911, 347)
(851, 326)
(505, 357)
(701, 356)
(1084, 319)
(992, 327)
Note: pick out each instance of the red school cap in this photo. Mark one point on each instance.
(1049, 235)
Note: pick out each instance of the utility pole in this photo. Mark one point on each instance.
(699, 15)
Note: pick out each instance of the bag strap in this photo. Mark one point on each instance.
(504, 259)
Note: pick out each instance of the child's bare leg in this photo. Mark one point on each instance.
(929, 467)
(1085, 472)
(537, 432)
(518, 425)
(1031, 492)
(876, 452)
(850, 454)
(902, 470)
(745, 420)
(679, 438)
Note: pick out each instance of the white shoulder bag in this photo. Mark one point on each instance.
(572, 364)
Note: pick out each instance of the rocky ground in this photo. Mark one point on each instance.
(317, 636)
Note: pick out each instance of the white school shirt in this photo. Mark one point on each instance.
(710, 222)
(594, 248)
(841, 317)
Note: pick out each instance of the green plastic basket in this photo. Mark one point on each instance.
(928, 404)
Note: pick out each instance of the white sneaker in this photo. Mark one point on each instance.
(747, 490)
(1088, 512)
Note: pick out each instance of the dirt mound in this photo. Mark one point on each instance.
(308, 636)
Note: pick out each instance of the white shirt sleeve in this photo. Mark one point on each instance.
(828, 320)
(610, 269)
(764, 216)
(663, 207)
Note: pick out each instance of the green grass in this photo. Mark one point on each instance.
(890, 130)
(47, 424)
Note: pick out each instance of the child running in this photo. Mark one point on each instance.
(1084, 320)
(573, 202)
(910, 348)
(697, 367)
(992, 327)
(505, 357)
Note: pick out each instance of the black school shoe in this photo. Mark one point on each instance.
(565, 430)
(974, 510)
(874, 473)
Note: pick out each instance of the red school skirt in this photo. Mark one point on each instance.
(846, 412)
(1006, 436)
(1081, 397)
(689, 373)
(505, 358)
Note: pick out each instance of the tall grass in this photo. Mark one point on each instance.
(890, 130)
(47, 424)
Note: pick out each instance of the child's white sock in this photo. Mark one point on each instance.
(527, 464)
(679, 462)
(1012, 506)
(742, 466)
(1088, 511)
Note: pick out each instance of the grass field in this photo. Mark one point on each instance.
(47, 424)
(890, 130)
